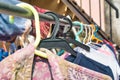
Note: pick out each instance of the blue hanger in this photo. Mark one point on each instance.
(77, 23)
(95, 33)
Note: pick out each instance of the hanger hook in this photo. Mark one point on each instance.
(56, 27)
(70, 24)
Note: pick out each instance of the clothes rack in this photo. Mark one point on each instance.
(17, 11)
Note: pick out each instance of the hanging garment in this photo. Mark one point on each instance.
(44, 26)
(103, 48)
(103, 59)
(108, 48)
(9, 30)
(110, 45)
(3, 54)
(56, 68)
(18, 66)
(82, 60)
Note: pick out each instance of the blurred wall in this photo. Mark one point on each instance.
(95, 9)
(115, 22)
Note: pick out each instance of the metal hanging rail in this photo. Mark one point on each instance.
(18, 11)
(71, 4)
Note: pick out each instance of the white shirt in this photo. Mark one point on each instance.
(103, 59)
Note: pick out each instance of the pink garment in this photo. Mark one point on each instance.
(65, 55)
(43, 70)
(18, 66)
(56, 68)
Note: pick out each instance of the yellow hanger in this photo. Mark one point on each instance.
(38, 37)
(93, 36)
(89, 33)
(86, 32)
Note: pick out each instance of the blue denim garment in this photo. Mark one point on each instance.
(12, 48)
(8, 30)
(84, 61)
(3, 54)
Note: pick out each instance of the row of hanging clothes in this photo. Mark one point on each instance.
(34, 50)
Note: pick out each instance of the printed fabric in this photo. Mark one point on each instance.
(56, 68)
(103, 59)
(84, 61)
(18, 66)
(44, 26)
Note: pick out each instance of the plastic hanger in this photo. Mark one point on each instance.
(70, 40)
(54, 42)
(86, 32)
(94, 38)
(75, 42)
(89, 33)
(38, 37)
(95, 33)
(80, 31)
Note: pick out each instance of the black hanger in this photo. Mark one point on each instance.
(70, 40)
(54, 42)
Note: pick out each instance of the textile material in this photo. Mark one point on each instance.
(72, 71)
(103, 59)
(18, 66)
(41, 69)
(7, 29)
(3, 54)
(56, 68)
(82, 60)
(44, 26)
(110, 46)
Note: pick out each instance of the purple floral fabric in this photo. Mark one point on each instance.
(21, 66)
(18, 66)
(72, 71)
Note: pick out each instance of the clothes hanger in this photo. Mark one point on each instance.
(96, 34)
(89, 34)
(54, 42)
(80, 31)
(75, 42)
(97, 40)
(30, 9)
(86, 32)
